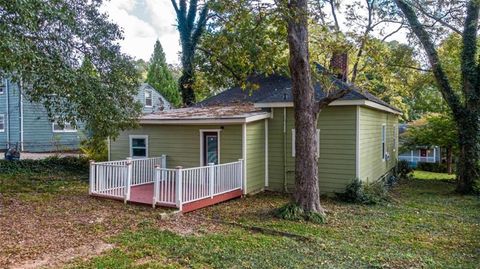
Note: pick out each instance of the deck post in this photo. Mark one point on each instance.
(211, 178)
(156, 185)
(179, 188)
(242, 175)
(129, 179)
(163, 162)
(91, 177)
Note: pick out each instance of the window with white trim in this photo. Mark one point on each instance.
(138, 146)
(2, 86)
(395, 137)
(148, 98)
(2, 123)
(384, 141)
(293, 142)
(66, 127)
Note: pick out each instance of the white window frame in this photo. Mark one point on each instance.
(383, 144)
(202, 145)
(2, 120)
(73, 130)
(151, 98)
(395, 137)
(130, 138)
(318, 143)
(3, 85)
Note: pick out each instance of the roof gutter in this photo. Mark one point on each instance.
(366, 103)
(206, 121)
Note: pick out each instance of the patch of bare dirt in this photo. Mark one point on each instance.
(41, 228)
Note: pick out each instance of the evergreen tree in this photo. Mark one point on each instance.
(160, 77)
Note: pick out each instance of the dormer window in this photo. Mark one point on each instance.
(148, 98)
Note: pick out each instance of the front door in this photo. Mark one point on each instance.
(210, 148)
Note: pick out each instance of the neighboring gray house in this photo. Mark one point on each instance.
(25, 124)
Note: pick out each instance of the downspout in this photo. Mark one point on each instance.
(285, 189)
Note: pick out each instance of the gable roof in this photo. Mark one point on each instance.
(277, 89)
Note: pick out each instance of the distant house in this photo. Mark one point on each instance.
(358, 136)
(26, 126)
(420, 154)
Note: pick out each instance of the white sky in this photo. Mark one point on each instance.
(145, 21)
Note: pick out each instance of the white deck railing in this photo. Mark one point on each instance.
(185, 185)
(417, 159)
(114, 178)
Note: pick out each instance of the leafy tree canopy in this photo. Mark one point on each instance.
(66, 55)
(160, 77)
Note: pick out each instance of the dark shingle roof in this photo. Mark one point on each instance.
(277, 88)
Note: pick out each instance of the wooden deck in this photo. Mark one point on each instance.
(143, 194)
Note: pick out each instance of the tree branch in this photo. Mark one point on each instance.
(442, 80)
(437, 19)
(226, 66)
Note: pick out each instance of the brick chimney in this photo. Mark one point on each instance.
(339, 65)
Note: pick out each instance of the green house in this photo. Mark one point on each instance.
(357, 133)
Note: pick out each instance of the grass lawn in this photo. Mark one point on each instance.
(424, 225)
(432, 176)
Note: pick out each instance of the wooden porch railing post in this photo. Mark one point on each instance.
(129, 179)
(211, 178)
(163, 161)
(92, 177)
(156, 185)
(242, 174)
(179, 187)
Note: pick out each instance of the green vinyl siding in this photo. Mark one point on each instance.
(337, 149)
(372, 167)
(255, 156)
(181, 144)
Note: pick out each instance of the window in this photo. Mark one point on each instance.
(138, 146)
(2, 123)
(384, 144)
(2, 86)
(395, 137)
(293, 142)
(148, 98)
(67, 128)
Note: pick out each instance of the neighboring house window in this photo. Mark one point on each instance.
(293, 142)
(67, 128)
(2, 86)
(139, 146)
(2, 123)
(148, 98)
(384, 141)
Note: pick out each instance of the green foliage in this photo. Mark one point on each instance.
(94, 149)
(160, 77)
(431, 130)
(48, 165)
(293, 212)
(433, 167)
(403, 169)
(77, 70)
(364, 193)
(424, 175)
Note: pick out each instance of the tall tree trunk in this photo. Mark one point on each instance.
(307, 193)
(469, 154)
(449, 159)
(186, 87)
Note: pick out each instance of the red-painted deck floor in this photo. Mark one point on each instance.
(143, 194)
